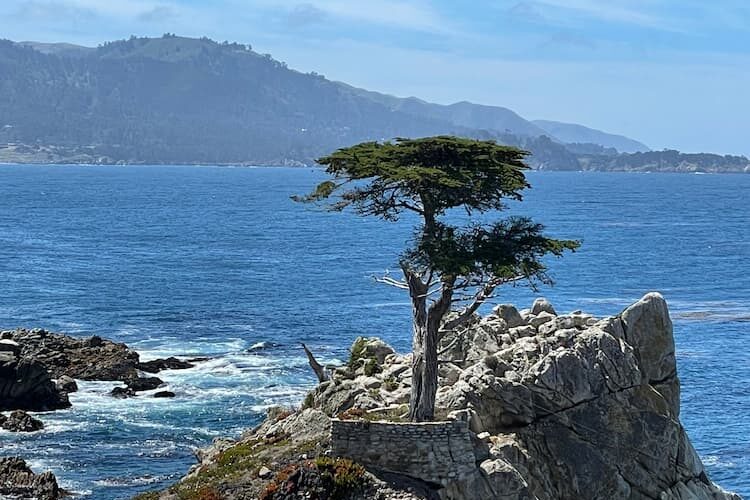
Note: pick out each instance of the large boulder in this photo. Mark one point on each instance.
(25, 384)
(648, 328)
(20, 421)
(91, 358)
(157, 365)
(582, 409)
(66, 384)
(17, 480)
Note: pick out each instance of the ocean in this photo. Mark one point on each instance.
(219, 262)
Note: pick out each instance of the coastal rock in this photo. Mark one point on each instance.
(510, 314)
(570, 407)
(648, 328)
(164, 394)
(542, 305)
(17, 480)
(90, 358)
(157, 365)
(25, 384)
(371, 348)
(137, 384)
(20, 421)
(7, 345)
(122, 392)
(66, 384)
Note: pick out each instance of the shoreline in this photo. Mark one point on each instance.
(318, 167)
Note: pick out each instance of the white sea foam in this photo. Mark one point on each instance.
(129, 481)
(716, 461)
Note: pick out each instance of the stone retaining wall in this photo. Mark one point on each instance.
(436, 452)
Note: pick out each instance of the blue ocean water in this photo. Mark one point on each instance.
(219, 261)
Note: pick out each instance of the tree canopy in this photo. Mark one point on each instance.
(429, 177)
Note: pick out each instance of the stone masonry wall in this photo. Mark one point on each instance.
(436, 452)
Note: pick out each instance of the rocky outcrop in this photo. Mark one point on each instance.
(20, 421)
(558, 407)
(66, 384)
(91, 358)
(25, 384)
(17, 480)
(569, 406)
(170, 363)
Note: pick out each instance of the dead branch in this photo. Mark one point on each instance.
(319, 370)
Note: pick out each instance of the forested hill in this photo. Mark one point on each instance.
(183, 100)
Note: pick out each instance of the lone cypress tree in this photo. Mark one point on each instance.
(446, 266)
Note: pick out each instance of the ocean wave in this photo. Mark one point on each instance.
(120, 482)
(716, 461)
(716, 316)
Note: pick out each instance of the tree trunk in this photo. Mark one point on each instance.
(418, 293)
(426, 326)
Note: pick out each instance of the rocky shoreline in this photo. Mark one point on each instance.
(532, 405)
(38, 369)
(554, 407)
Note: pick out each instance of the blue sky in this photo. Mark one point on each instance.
(671, 73)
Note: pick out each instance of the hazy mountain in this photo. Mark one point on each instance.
(184, 100)
(465, 114)
(578, 134)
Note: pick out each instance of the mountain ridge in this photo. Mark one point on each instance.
(193, 100)
(573, 133)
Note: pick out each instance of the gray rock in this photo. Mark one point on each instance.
(265, 473)
(585, 409)
(17, 480)
(164, 394)
(92, 358)
(122, 392)
(510, 314)
(137, 384)
(540, 319)
(7, 345)
(25, 384)
(66, 384)
(157, 365)
(373, 348)
(20, 421)
(648, 328)
(542, 304)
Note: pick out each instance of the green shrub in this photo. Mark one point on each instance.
(390, 383)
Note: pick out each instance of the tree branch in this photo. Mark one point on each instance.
(319, 370)
(392, 282)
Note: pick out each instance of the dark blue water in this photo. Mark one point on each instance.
(211, 261)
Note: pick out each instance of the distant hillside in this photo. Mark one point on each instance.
(572, 133)
(667, 161)
(465, 114)
(185, 100)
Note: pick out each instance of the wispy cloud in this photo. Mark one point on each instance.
(640, 13)
(305, 14)
(158, 14)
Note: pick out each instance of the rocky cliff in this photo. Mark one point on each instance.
(556, 407)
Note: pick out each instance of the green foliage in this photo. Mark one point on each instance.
(357, 352)
(347, 477)
(427, 175)
(390, 383)
(324, 478)
(505, 249)
(149, 495)
(430, 176)
(359, 357)
(308, 401)
(371, 367)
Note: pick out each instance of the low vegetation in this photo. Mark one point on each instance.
(324, 478)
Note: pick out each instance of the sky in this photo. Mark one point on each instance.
(670, 73)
